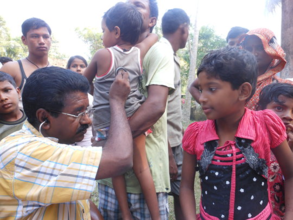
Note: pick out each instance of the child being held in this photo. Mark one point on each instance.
(11, 116)
(278, 97)
(121, 30)
(232, 148)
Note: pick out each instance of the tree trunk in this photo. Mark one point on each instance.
(286, 37)
(192, 67)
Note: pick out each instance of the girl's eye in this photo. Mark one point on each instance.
(212, 89)
(279, 108)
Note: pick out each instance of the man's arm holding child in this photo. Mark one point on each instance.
(150, 111)
(146, 44)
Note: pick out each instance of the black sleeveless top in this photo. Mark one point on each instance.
(23, 76)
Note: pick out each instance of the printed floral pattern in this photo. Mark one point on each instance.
(276, 185)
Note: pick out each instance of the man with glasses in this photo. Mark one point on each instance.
(42, 176)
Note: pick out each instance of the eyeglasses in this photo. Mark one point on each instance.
(88, 112)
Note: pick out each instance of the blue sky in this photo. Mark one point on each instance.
(64, 16)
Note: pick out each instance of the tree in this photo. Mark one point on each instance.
(191, 74)
(286, 37)
(92, 38)
(207, 40)
(9, 47)
(286, 33)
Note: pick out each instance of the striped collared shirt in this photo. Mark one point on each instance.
(42, 179)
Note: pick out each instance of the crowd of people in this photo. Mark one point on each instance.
(118, 120)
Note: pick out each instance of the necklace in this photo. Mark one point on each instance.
(35, 64)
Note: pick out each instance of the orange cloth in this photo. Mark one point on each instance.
(273, 49)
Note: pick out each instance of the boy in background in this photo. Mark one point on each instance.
(11, 116)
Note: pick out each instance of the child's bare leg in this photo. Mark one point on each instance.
(120, 191)
(142, 171)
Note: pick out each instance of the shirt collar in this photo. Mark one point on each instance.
(246, 128)
(29, 128)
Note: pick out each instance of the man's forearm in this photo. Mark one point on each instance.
(150, 111)
(120, 141)
(117, 155)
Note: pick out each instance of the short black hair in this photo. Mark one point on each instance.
(5, 59)
(34, 23)
(271, 93)
(172, 19)
(127, 18)
(154, 11)
(231, 64)
(7, 77)
(47, 88)
(235, 32)
(69, 62)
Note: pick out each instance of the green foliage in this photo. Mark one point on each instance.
(9, 47)
(207, 40)
(54, 50)
(92, 38)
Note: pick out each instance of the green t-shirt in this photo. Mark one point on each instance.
(8, 127)
(158, 68)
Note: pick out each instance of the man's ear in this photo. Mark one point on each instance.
(23, 39)
(245, 91)
(153, 22)
(117, 32)
(18, 92)
(182, 28)
(44, 116)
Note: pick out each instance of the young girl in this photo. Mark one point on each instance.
(121, 27)
(278, 97)
(232, 148)
(77, 64)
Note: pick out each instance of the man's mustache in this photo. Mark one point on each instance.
(82, 128)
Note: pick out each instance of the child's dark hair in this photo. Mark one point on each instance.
(127, 18)
(235, 32)
(34, 23)
(172, 19)
(271, 93)
(232, 65)
(7, 77)
(75, 57)
(5, 59)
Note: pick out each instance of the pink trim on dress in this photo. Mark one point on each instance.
(109, 67)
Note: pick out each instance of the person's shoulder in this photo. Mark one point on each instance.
(11, 68)
(163, 43)
(101, 56)
(104, 52)
(160, 51)
(197, 127)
